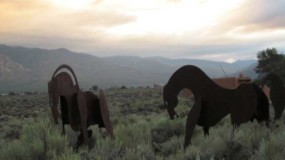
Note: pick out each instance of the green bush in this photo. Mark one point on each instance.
(39, 140)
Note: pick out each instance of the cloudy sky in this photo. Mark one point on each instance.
(223, 30)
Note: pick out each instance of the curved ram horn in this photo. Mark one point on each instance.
(65, 66)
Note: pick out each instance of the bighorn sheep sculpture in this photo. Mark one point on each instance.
(277, 93)
(78, 109)
(213, 102)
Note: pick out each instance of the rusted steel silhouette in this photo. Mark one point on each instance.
(277, 93)
(78, 109)
(61, 84)
(212, 102)
(262, 113)
(98, 112)
(72, 101)
(105, 113)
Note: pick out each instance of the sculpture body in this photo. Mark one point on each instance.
(212, 102)
(78, 109)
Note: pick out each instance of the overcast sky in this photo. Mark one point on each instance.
(223, 30)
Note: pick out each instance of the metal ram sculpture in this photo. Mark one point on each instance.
(277, 93)
(213, 102)
(78, 109)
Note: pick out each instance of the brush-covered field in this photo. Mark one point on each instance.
(142, 128)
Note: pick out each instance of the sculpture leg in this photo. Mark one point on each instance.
(262, 112)
(54, 110)
(84, 131)
(206, 131)
(192, 119)
(80, 140)
(62, 120)
(63, 129)
(82, 107)
(105, 114)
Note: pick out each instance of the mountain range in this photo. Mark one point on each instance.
(29, 69)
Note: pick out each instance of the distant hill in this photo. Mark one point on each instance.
(29, 69)
(11, 70)
(212, 68)
(248, 71)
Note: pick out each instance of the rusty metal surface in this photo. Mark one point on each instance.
(192, 119)
(61, 84)
(79, 106)
(216, 102)
(243, 105)
(262, 113)
(98, 112)
(105, 113)
(94, 113)
(277, 93)
(78, 109)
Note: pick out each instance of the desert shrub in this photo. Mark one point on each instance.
(165, 135)
(132, 140)
(270, 149)
(190, 153)
(94, 88)
(170, 146)
(38, 140)
(123, 87)
(11, 128)
(248, 141)
(223, 143)
(144, 131)
(107, 149)
(272, 146)
(130, 135)
(142, 151)
(251, 134)
(212, 146)
(183, 109)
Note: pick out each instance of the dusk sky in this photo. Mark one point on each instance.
(220, 30)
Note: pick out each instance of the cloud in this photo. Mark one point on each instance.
(23, 5)
(175, 1)
(42, 18)
(96, 2)
(256, 16)
(101, 18)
